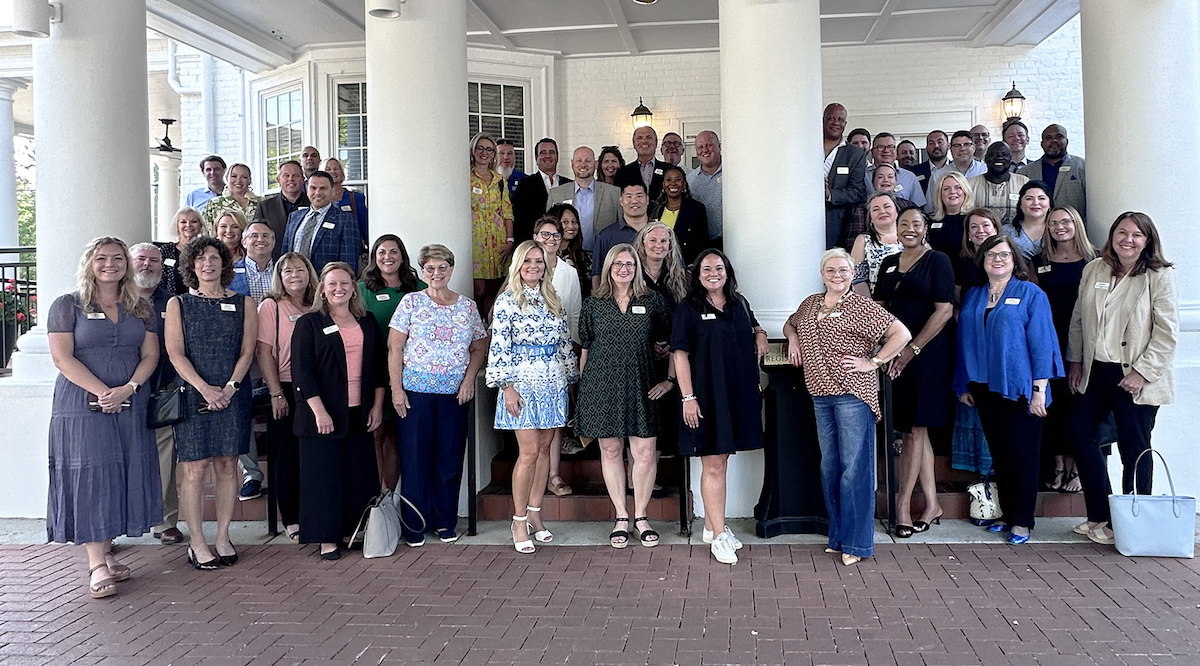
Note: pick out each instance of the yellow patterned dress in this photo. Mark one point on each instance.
(490, 207)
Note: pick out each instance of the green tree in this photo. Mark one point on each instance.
(26, 219)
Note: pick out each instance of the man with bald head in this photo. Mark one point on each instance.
(645, 169)
(704, 182)
(310, 161)
(845, 173)
(672, 148)
(599, 204)
(1064, 173)
(982, 139)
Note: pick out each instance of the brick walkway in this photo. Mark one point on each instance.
(953, 605)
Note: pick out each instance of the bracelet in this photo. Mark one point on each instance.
(672, 380)
(879, 363)
(760, 331)
(510, 239)
(688, 398)
(277, 395)
(916, 350)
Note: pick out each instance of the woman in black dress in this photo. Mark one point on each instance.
(188, 225)
(917, 286)
(211, 334)
(1058, 270)
(716, 342)
(687, 217)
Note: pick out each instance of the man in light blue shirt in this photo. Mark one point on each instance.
(598, 203)
(213, 168)
(704, 182)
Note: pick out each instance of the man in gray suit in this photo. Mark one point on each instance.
(1063, 173)
(599, 204)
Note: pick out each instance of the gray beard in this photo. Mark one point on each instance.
(146, 280)
(506, 171)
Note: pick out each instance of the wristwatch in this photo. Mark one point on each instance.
(137, 388)
(1037, 389)
(235, 385)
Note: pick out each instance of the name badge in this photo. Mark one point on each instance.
(708, 316)
(658, 172)
(843, 171)
(891, 269)
(95, 315)
(718, 180)
(383, 297)
(638, 309)
(163, 315)
(936, 225)
(476, 190)
(330, 330)
(899, 188)
(347, 208)
(1064, 168)
(1012, 301)
(239, 270)
(228, 307)
(569, 201)
(1044, 269)
(1014, 197)
(168, 262)
(835, 313)
(1101, 285)
(327, 225)
(294, 317)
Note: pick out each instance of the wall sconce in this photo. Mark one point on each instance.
(32, 18)
(384, 9)
(1014, 103)
(641, 115)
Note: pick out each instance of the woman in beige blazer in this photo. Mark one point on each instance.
(1122, 340)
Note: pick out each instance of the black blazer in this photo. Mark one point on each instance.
(847, 189)
(632, 173)
(319, 369)
(691, 228)
(271, 212)
(922, 170)
(529, 203)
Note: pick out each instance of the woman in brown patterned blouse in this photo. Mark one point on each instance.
(834, 336)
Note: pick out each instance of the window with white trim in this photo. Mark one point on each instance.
(499, 110)
(283, 121)
(352, 133)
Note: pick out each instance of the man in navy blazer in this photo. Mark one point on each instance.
(645, 169)
(529, 199)
(323, 232)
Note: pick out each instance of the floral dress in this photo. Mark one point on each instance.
(531, 350)
(874, 253)
(218, 205)
(490, 207)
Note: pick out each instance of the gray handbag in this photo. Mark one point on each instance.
(1154, 525)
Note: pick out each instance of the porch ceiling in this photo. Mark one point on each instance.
(266, 34)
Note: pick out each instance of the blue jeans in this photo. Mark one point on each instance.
(846, 433)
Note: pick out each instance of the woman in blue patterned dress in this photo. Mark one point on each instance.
(531, 361)
(103, 462)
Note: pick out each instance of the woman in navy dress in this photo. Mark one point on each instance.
(103, 459)
(211, 334)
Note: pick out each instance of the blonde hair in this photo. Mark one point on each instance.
(673, 266)
(357, 307)
(475, 141)
(238, 216)
(939, 208)
(608, 288)
(836, 253)
(517, 288)
(278, 291)
(188, 210)
(1081, 241)
(128, 295)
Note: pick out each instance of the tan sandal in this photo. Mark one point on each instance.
(106, 587)
(560, 488)
(119, 572)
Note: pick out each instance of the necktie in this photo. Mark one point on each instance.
(308, 229)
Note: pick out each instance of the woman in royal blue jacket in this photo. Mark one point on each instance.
(1007, 354)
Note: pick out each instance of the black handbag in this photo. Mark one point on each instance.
(165, 407)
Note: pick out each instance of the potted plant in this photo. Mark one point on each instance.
(15, 317)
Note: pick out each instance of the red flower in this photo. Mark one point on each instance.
(20, 316)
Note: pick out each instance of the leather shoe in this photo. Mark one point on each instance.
(171, 535)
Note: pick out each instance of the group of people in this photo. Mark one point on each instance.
(614, 306)
(985, 261)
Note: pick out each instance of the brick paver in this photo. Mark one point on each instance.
(912, 605)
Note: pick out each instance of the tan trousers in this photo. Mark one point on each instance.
(166, 468)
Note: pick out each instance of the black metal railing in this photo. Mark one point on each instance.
(18, 298)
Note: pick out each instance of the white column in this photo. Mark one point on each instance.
(1127, 91)
(8, 168)
(774, 227)
(168, 194)
(417, 107)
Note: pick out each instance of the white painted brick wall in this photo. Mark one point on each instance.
(229, 118)
(596, 95)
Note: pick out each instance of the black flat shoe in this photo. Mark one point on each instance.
(904, 531)
(211, 565)
(335, 554)
(227, 560)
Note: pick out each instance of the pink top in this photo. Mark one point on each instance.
(352, 338)
(266, 332)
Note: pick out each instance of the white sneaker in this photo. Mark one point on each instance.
(723, 550)
(707, 537)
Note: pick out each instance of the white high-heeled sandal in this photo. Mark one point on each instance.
(543, 535)
(525, 547)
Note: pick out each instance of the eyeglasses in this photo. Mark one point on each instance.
(1062, 223)
(962, 145)
(440, 268)
(837, 271)
(981, 135)
(549, 235)
(676, 144)
(1002, 256)
(256, 236)
(624, 265)
(486, 150)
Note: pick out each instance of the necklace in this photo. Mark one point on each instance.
(827, 309)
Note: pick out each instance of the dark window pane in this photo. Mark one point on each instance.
(489, 98)
(472, 126)
(520, 159)
(363, 131)
(296, 146)
(473, 98)
(492, 125)
(363, 166)
(348, 101)
(272, 142)
(514, 101)
(514, 128)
